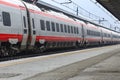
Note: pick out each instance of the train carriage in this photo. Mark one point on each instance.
(25, 26)
(92, 35)
(11, 26)
(106, 36)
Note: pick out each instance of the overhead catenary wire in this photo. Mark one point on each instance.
(78, 8)
(116, 21)
(81, 11)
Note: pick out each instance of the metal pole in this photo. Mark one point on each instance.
(77, 10)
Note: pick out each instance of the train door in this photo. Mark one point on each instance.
(102, 36)
(83, 32)
(25, 29)
(83, 35)
(33, 29)
(31, 37)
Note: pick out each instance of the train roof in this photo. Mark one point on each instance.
(17, 2)
(47, 6)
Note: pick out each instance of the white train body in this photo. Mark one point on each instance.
(26, 26)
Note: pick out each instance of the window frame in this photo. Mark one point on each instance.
(62, 27)
(57, 27)
(53, 26)
(6, 18)
(24, 21)
(42, 25)
(33, 23)
(48, 25)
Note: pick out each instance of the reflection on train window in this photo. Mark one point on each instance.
(42, 24)
(57, 27)
(24, 19)
(6, 19)
(68, 29)
(33, 23)
(61, 26)
(77, 30)
(65, 28)
(115, 36)
(53, 26)
(94, 33)
(71, 29)
(109, 35)
(48, 25)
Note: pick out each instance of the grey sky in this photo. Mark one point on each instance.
(87, 5)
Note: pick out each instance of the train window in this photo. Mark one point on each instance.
(71, 29)
(24, 19)
(57, 27)
(53, 26)
(6, 19)
(42, 24)
(95, 33)
(77, 30)
(105, 35)
(88, 32)
(68, 29)
(33, 23)
(109, 35)
(48, 25)
(91, 33)
(99, 33)
(65, 28)
(61, 26)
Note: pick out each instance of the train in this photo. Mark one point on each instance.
(27, 27)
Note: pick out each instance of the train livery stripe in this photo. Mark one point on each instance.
(9, 4)
(6, 37)
(53, 38)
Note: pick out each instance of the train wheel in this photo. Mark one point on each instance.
(5, 51)
(42, 48)
(12, 52)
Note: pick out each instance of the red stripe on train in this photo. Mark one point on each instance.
(9, 4)
(52, 38)
(6, 37)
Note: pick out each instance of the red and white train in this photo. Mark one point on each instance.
(25, 26)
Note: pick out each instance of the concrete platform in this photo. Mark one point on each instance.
(106, 70)
(55, 67)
